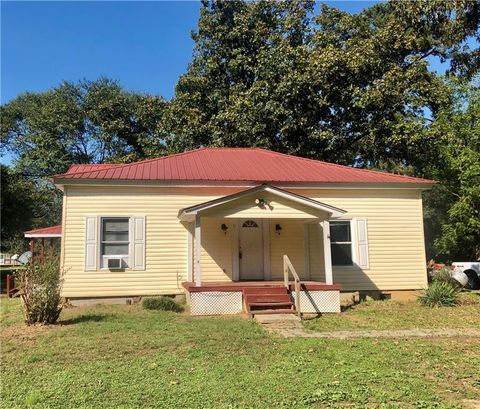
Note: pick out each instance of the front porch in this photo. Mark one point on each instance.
(245, 249)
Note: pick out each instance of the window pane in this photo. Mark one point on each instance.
(342, 254)
(340, 231)
(115, 229)
(115, 225)
(114, 249)
(115, 236)
(250, 223)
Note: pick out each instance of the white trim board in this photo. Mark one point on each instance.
(60, 183)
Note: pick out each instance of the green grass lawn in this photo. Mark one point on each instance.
(402, 315)
(126, 357)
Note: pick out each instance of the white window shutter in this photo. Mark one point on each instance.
(91, 243)
(361, 228)
(138, 243)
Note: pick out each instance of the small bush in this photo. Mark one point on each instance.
(161, 303)
(444, 275)
(439, 294)
(39, 285)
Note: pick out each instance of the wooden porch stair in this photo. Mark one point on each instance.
(268, 300)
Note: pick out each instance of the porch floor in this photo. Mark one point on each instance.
(241, 285)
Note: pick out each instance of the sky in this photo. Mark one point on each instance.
(144, 45)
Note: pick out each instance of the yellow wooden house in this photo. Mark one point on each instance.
(238, 228)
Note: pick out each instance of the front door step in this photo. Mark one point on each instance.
(276, 312)
(262, 300)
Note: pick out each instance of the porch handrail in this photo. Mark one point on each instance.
(288, 268)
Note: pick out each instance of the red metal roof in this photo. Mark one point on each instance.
(87, 167)
(45, 232)
(235, 164)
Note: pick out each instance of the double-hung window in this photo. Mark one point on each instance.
(115, 239)
(341, 243)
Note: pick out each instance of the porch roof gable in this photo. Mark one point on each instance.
(189, 213)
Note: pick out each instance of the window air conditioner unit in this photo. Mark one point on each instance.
(114, 263)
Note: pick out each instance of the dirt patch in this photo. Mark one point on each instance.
(289, 327)
(407, 333)
(22, 331)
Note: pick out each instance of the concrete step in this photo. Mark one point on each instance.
(267, 318)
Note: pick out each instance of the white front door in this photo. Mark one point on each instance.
(251, 249)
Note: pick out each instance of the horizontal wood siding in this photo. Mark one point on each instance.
(276, 208)
(216, 250)
(289, 242)
(166, 239)
(395, 236)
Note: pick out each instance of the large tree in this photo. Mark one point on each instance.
(333, 86)
(25, 204)
(84, 122)
(247, 57)
(452, 208)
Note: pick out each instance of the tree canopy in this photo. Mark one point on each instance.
(84, 122)
(332, 86)
(25, 205)
(453, 207)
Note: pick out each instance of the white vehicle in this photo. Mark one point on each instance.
(471, 270)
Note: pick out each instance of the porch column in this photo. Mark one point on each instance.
(327, 252)
(235, 251)
(198, 251)
(190, 228)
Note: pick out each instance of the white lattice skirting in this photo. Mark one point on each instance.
(319, 301)
(231, 302)
(216, 303)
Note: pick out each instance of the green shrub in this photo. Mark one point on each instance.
(161, 303)
(39, 285)
(444, 275)
(439, 294)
